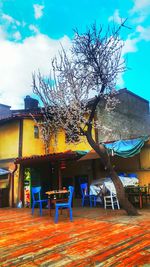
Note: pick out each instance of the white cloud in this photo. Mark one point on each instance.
(33, 28)
(144, 33)
(2, 33)
(140, 5)
(141, 8)
(20, 60)
(10, 19)
(116, 17)
(138, 19)
(17, 36)
(38, 11)
(120, 81)
(130, 46)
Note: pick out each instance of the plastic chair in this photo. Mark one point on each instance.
(65, 205)
(94, 194)
(36, 198)
(132, 175)
(111, 201)
(93, 199)
(121, 174)
(85, 195)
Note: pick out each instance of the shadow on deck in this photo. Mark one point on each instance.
(95, 238)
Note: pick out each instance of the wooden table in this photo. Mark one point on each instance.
(56, 196)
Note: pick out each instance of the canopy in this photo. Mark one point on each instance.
(122, 148)
(61, 156)
(126, 148)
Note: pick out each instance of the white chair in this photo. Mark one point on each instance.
(111, 201)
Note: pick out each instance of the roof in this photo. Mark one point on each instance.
(122, 92)
(90, 155)
(26, 111)
(126, 91)
(19, 116)
(49, 157)
(5, 106)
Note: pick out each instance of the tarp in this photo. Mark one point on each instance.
(106, 183)
(126, 148)
(81, 152)
(90, 155)
(122, 148)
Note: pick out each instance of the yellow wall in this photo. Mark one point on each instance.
(144, 177)
(145, 158)
(4, 183)
(63, 146)
(31, 145)
(9, 140)
(35, 146)
(144, 173)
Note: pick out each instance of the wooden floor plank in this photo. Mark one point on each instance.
(95, 238)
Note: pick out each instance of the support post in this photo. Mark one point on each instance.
(12, 186)
(59, 177)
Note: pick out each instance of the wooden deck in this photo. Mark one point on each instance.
(94, 238)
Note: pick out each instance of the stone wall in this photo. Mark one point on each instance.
(130, 119)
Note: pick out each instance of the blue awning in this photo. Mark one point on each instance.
(126, 148)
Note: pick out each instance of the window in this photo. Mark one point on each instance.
(36, 132)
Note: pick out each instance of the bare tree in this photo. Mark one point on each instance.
(90, 69)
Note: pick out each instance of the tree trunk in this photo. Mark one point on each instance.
(105, 159)
(123, 200)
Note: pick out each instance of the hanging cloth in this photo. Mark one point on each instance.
(126, 148)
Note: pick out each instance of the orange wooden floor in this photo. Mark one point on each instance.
(94, 238)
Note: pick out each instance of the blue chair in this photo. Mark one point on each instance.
(66, 205)
(121, 174)
(86, 196)
(84, 193)
(36, 198)
(132, 175)
(93, 199)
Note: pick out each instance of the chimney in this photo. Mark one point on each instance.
(30, 103)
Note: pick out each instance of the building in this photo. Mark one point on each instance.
(22, 151)
(4, 111)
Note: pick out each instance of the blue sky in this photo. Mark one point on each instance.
(31, 32)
